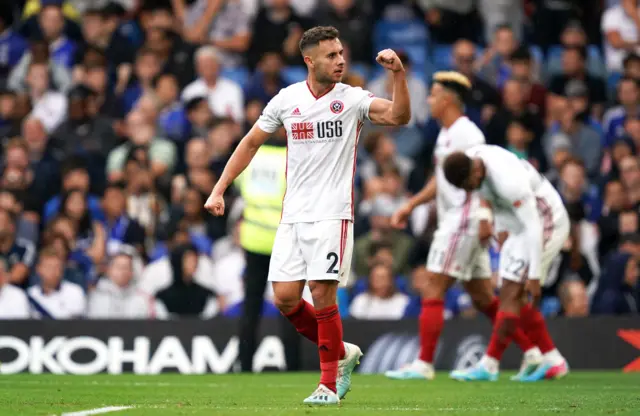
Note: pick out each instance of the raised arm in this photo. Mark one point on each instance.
(397, 111)
(238, 162)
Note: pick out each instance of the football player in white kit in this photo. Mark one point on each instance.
(458, 249)
(526, 206)
(323, 118)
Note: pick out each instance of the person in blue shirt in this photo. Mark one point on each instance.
(267, 81)
(613, 122)
(52, 22)
(75, 176)
(18, 254)
(12, 45)
(146, 68)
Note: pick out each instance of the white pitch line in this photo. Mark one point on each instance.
(98, 411)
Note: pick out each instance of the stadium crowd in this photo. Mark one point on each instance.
(116, 118)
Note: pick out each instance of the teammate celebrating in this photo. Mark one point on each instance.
(527, 207)
(314, 241)
(464, 226)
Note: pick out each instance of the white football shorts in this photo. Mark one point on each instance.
(312, 251)
(456, 250)
(514, 255)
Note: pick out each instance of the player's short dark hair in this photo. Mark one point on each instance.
(315, 35)
(629, 59)
(457, 168)
(580, 50)
(521, 54)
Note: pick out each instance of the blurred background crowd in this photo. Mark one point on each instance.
(117, 117)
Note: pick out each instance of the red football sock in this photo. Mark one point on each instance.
(533, 323)
(502, 334)
(303, 317)
(431, 323)
(519, 337)
(329, 343)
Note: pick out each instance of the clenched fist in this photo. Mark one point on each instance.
(388, 59)
(215, 205)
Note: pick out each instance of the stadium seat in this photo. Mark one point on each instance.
(408, 36)
(240, 75)
(442, 57)
(293, 74)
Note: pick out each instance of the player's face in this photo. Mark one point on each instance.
(327, 61)
(437, 100)
(475, 179)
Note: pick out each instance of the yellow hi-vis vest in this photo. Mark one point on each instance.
(262, 186)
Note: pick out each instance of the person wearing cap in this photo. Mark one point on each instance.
(574, 69)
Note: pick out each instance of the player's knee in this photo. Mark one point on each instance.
(436, 286)
(286, 297)
(324, 293)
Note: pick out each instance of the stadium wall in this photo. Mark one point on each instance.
(196, 347)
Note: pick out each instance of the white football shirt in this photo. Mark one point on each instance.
(460, 136)
(322, 139)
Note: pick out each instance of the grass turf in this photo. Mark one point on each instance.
(582, 393)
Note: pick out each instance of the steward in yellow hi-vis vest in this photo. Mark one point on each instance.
(262, 186)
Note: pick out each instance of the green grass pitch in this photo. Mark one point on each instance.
(582, 393)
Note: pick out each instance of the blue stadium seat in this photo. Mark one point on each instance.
(442, 57)
(409, 36)
(537, 54)
(293, 74)
(240, 75)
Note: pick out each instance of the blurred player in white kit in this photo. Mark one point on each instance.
(458, 250)
(526, 206)
(323, 118)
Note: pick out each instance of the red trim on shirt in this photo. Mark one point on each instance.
(323, 94)
(353, 175)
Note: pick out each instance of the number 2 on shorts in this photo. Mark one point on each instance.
(333, 258)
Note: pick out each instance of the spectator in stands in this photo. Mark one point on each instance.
(39, 54)
(75, 176)
(175, 54)
(519, 136)
(277, 28)
(494, 65)
(147, 66)
(49, 106)
(449, 21)
(574, 36)
(381, 230)
(615, 201)
(52, 297)
(267, 80)
(572, 186)
(19, 176)
(27, 224)
(107, 103)
(628, 94)
(574, 299)
(86, 133)
(630, 176)
(119, 227)
(382, 300)
(10, 41)
(116, 296)
(17, 254)
(484, 99)
(144, 202)
(52, 23)
(383, 87)
(13, 301)
(353, 19)
(618, 289)
(172, 119)
(77, 257)
(196, 158)
(199, 116)
(574, 68)
(584, 140)
(224, 96)
(73, 272)
(90, 236)
(185, 297)
(631, 66)
(220, 139)
(515, 108)
(620, 25)
(161, 152)
(535, 93)
(382, 153)
(31, 26)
